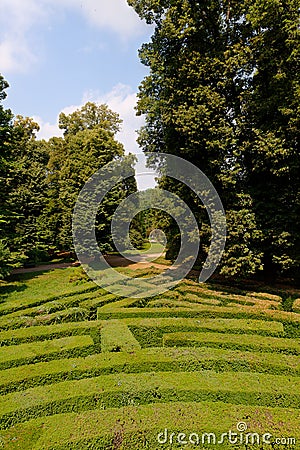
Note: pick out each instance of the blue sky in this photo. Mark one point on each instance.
(59, 54)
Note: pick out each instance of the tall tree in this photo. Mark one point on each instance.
(270, 129)
(88, 144)
(28, 186)
(214, 95)
(5, 132)
(6, 257)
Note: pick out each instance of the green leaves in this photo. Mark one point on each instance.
(223, 92)
(89, 117)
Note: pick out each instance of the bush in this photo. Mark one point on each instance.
(38, 254)
(9, 260)
(79, 276)
(5, 255)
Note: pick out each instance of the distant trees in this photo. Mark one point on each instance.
(7, 258)
(40, 181)
(87, 145)
(223, 92)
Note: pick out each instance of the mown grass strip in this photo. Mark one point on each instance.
(146, 360)
(116, 337)
(113, 311)
(80, 292)
(15, 352)
(239, 342)
(41, 332)
(138, 427)
(130, 389)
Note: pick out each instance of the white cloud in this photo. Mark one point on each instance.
(16, 20)
(120, 99)
(114, 15)
(19, 17)
(15, 55)
(47, 130)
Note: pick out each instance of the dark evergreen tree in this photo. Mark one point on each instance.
(223, 93)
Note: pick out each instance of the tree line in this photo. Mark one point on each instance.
(40, 182)
(223, 92)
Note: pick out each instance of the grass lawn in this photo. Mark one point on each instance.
(81, 368)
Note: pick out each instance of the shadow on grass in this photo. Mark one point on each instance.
(16, 283)
(286, 291)
(6, 288)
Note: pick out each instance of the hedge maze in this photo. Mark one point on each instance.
(90, 370)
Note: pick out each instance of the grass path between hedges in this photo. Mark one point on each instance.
(199, 358)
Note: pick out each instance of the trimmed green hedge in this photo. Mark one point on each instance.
(67, 353)
(65, 315)
(218, 323)
(149, 332)
(146, 360)
(114, 311)
(27, 351)
(240, 342)
(116, 337)
(97, 301)
(14, 305)
(130, 389)
(43, 332)
(138, 427)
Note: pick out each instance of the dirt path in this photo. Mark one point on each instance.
(41, 268)
(113, 260)
(143, 263)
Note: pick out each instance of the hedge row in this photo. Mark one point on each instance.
(219, 323)
(17, 352)
(225, 292)
(119, 390)
(14, 305)
(42, 332)
(153, 336)
(116, 337)
(147, 360)
(239, 342)
(73, 352)
(97, 301)
(118, 311)
(36, 333)
(66, 315)
(198, 296)
(296, 305)
(138, 427)
(149, 332)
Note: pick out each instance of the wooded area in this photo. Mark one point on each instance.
(40, 181)
(223, 92)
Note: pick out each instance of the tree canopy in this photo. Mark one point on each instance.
(40, 181)
(223, 93)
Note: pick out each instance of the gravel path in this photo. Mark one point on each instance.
(113, 260)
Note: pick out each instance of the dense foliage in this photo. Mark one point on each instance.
(40, 181)
(223, 93)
